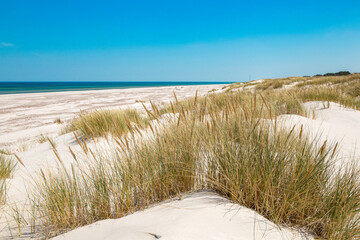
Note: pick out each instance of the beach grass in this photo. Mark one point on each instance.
(277, 103)
(7, 166)
(346, 94)
(231, 143)
(58, 121)
(104, 122)
(269, 84)
(329, 80)
(277, 83)
(42, 138)
(344, 90)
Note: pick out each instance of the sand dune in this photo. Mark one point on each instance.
(205, 215)
(199, 215)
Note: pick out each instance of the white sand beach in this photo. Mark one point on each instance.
(199, 215)
(25, 116)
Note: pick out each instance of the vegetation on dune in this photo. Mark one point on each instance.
(277, 83)
(104, 122)
(42, 138)
(329, 80)
(341, 73)
(58, 121)
(229, 142)
(6, 168)
(342, 88)
(348, 96)
(277, 102)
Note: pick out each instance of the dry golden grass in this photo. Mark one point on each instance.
(7, 166)
(228, 142)
(58, 121)
(344, 90)
(276, 103)
(103, 122)
(348, 96)
(269, 84)
(330, 80)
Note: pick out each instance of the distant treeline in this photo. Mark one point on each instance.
(341, 73)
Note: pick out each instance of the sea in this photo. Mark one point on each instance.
(37, 87)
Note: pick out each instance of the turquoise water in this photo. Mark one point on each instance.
(36, 87)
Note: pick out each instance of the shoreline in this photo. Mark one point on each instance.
(108, 89)
(76, 86)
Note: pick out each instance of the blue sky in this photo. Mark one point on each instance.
(176, 40)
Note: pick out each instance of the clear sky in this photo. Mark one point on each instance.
(187, 40)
